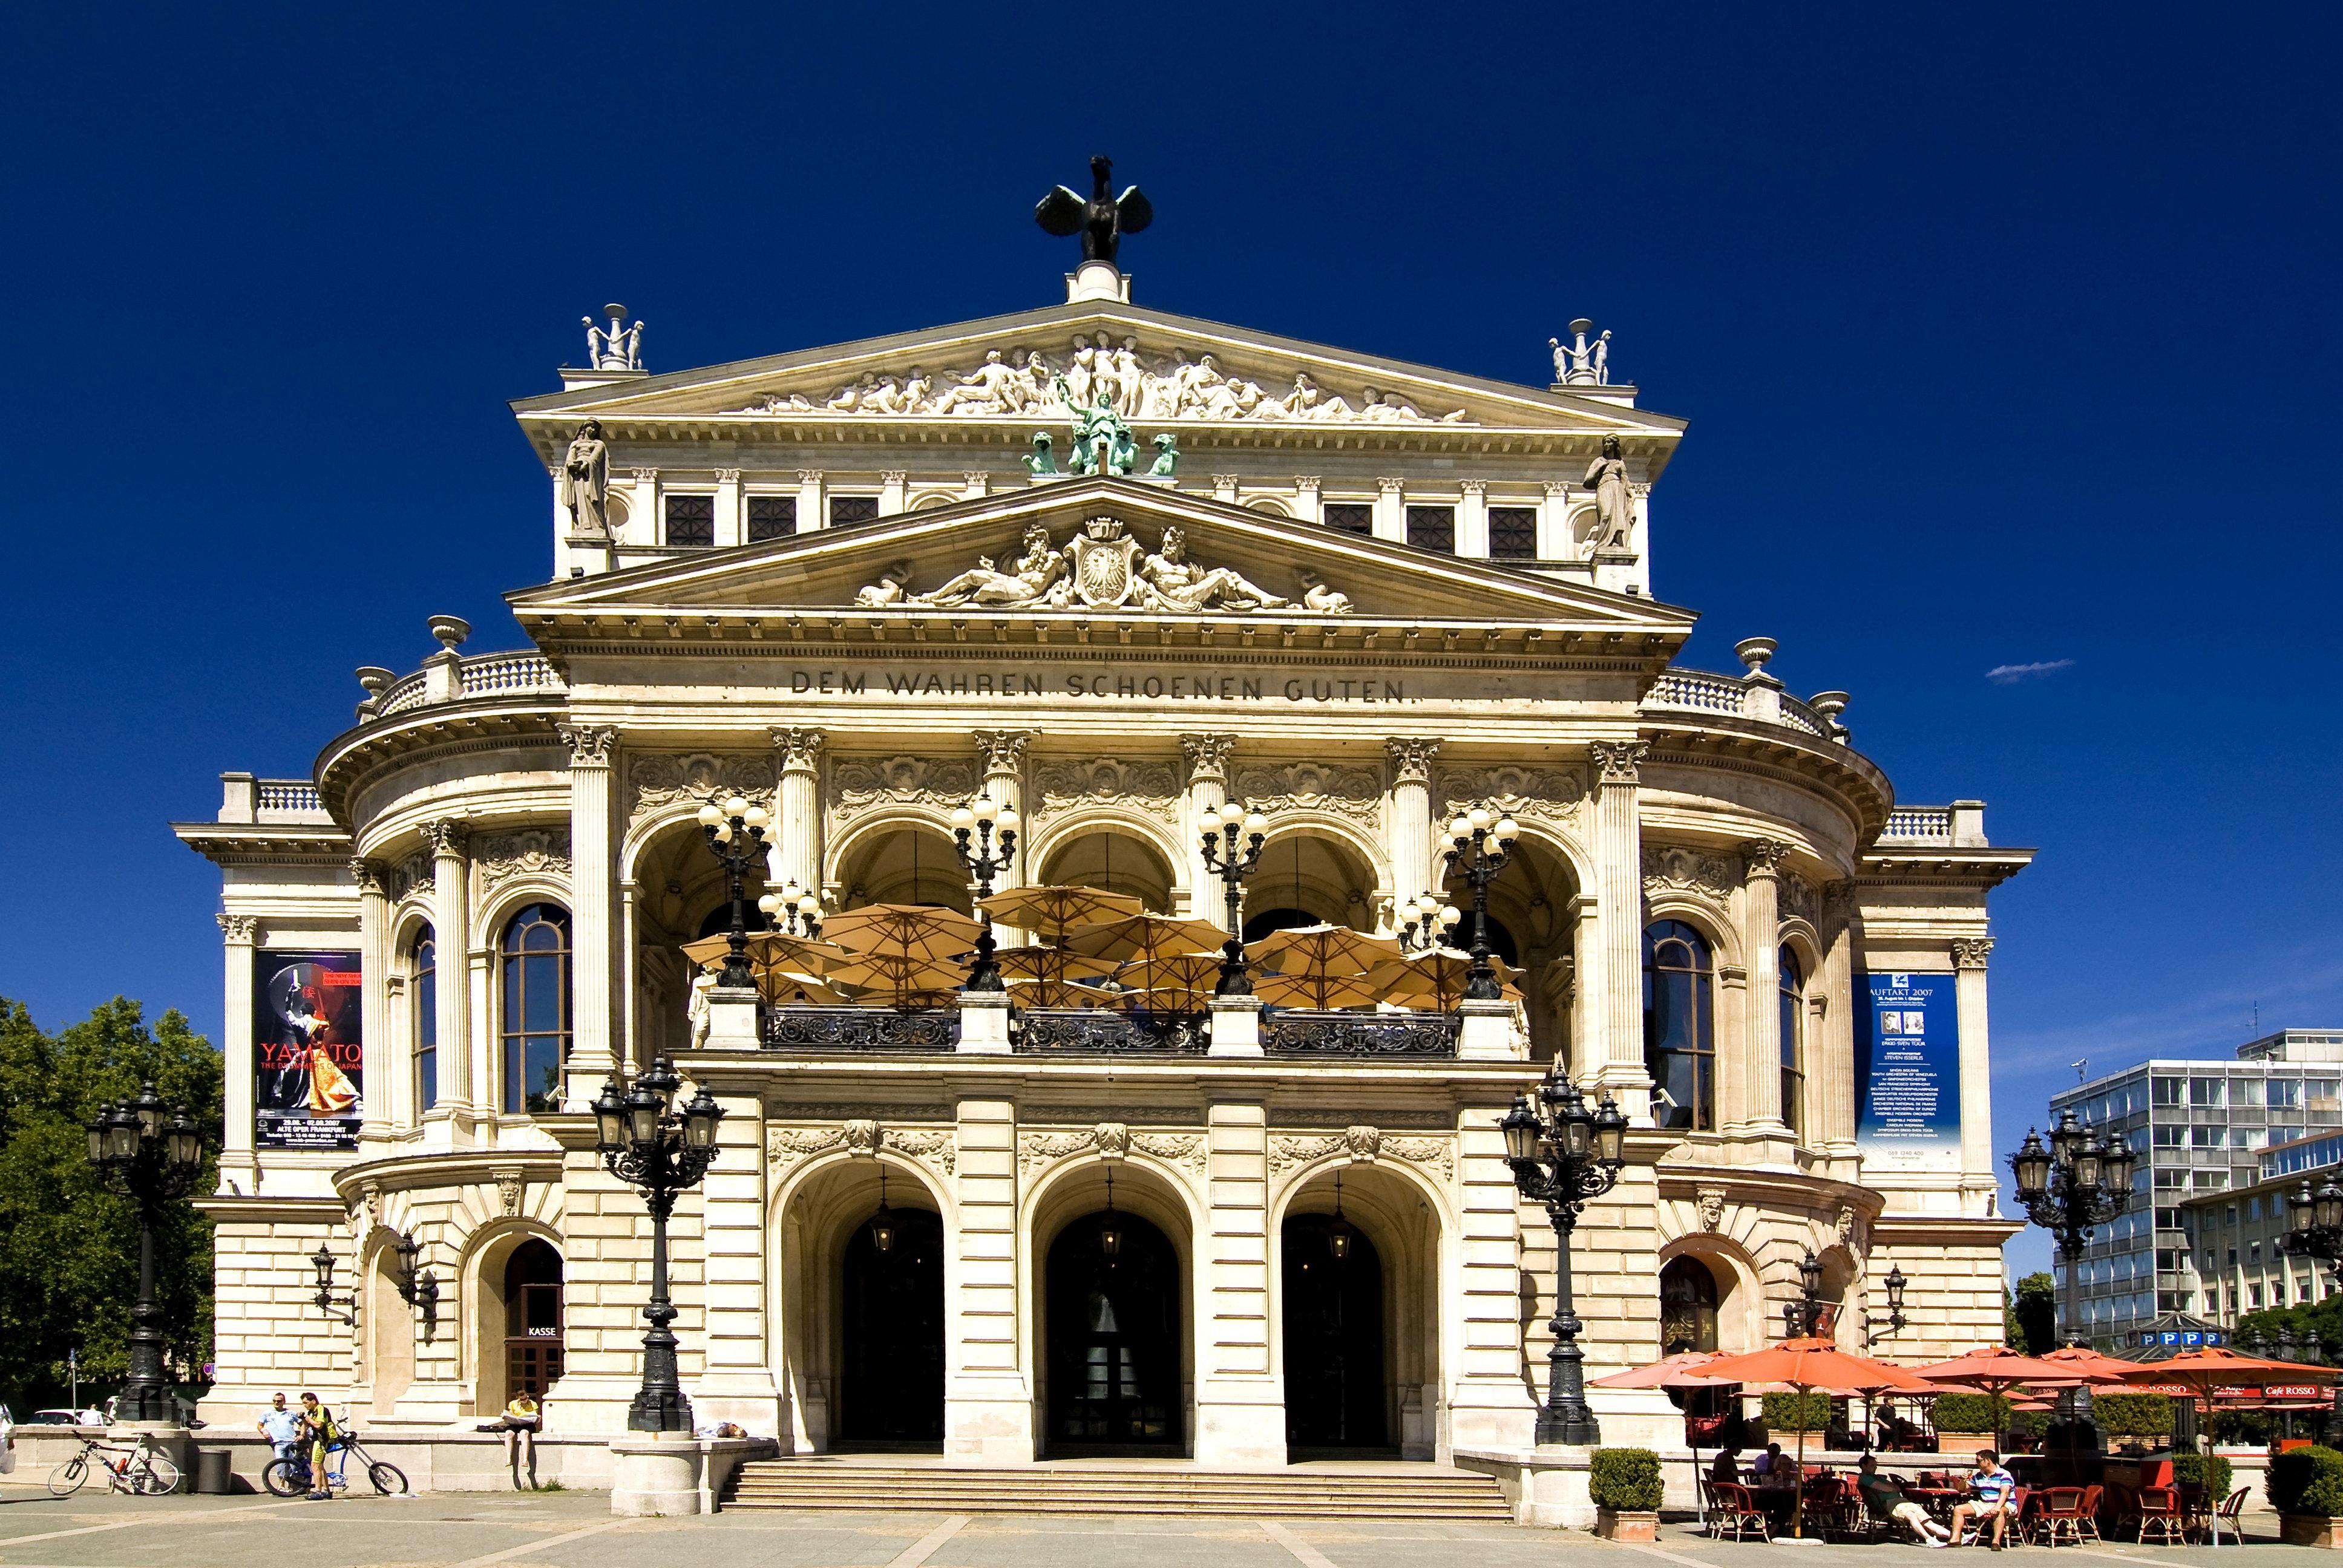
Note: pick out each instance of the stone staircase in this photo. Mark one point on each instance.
(1414, 1492)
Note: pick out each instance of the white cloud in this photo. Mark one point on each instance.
(2011, 674)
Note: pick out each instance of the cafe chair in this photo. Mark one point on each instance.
(2061, 1515)
(2232, 1513)
(1735, 1509)
(2159, 1516)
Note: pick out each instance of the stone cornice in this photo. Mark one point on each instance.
(1962, 868)
(396, 1172)
(265, 843)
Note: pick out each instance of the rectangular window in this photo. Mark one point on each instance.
(2246, 1092)
(1350, 517)
(2206, 1092)
(2168, 1219)
(846, 511)
(2167, 1260)
(771, 517)
(1512, 533)
(2165, 1091)
(2167, 1137)
(2254, 1297)
(2204, 1137)
(2319, 1093)
(2212, 1180)
(2252, 1253)
(1432, 529)
(2252, 1208)
(2233, 1257)
(2171, 1179)
(2285, 1093)
(690, 519)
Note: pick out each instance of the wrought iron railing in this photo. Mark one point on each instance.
(1296, 1031)
(1109, 1032)
(793, 1028)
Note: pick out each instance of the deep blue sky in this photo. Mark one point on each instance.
(2008, 336)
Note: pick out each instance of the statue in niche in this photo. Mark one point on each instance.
(1167, 457)
(1040, 461)
(1174, 582)
(1613, 512)
(889, 589)
(1040, 571)
(1102, 220)
(584, 487)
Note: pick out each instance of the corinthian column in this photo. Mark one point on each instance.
(797, 809)
(451, 935)
(1408, 824)
(1835, 1060)
(386, 1078)
(594, 938)
(1980, 1179)
(1004, 783)
(1616, 1054)
(1208, 790)
(239, 1169)
(1761, 937)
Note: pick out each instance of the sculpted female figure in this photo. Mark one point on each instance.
(585, 486)
(1615, 517)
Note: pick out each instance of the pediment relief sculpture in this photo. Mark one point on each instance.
(528, 851)
(1674, 867)
(1101, 568)
(1026, 383)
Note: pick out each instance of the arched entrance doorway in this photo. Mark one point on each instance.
(892, 1376)
(1113, 1284)
(1334, 1323)
(1688, 1301)
(533, 1344)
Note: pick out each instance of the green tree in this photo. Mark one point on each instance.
(69, 1247)
(2031, 1322)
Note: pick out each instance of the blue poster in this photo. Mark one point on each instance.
(1909, 1077)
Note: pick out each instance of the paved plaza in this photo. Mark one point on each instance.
(575, 1530)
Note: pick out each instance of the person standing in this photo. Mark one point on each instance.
(319, 1433)
(281, 1427)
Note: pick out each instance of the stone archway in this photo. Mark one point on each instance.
(1333, 1320)
(1365, 1328)
(891, 1376)
(1113, 1338)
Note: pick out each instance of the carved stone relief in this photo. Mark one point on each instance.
(1150, 787)
(862, 1137)
(1550, 792)
(1710, 1201)
(665, 779)
(1674, 867)
(1101, 568)
(1363, 1145)
(528, 851)
(858, 783)
(509, 1190)
(1799, 900)
(1355, 792)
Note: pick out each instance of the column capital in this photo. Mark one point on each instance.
(645, 476)
(1622, 761)
(589, 744)
(727, 475)
(1763, 858)
(1391, 486)
(1474, 487)
(1410, 757)
(447, 838)
(800, 749)
(1308, 482)
(894, 475)
(1971, 952)
(368, 875)
(1206, 755)
(241, 930)
(1557, 489)
(1003, 751)
(808, 476)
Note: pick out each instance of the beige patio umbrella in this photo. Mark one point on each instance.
(1049, 912)
(774, 950)
(892, 980)
(1176, 982)
(1322, 949)
(1037, 991)
(1435, 979)
(1144, 936)
(1317, 989)
(905, 932)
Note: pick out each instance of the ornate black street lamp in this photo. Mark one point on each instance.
(1224, 861)
(152, 1151)
(1425, 923)
(984, 831)
(2316, 1225)
(735, 836)
(416, 1288)
(1479, 847)
(793, 912)
(1802, 1319)
(1895, 1283)
(663, 1152)
(341, 1309)
(1562, 1155)
(2077, 1183)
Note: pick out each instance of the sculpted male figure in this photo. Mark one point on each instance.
(983, 390)
(1177, 583)
(1038, 570)
(584, 487)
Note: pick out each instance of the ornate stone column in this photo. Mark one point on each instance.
(796, 808)
(732, 518)
(452, 934)
(1979, 1179)
(595, 961)
(1003, 752)
(1472, 522)
(1407, 825)
(386, 1092)
(1389, 520)
(239, 1167)
(1835, 1060)
(1208, 790)
(1760, 939)
(1616, 1057)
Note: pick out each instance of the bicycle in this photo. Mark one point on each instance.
(141, 1471)
(291, 1477)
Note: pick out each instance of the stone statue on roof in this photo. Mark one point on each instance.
(584, 483)
(1101, 220)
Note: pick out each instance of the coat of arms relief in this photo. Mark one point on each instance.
(1101, 568)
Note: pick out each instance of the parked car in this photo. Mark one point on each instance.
(65, 1418)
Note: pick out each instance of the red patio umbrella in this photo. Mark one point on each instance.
(1806, 1366)
(1997, 1368)
(2204, 1373)
(1682, 1370)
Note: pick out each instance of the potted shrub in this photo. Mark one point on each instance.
(1624, 1483)
(2210, 1471)
(2306, 1487)
(1787, 1414)
(1970, 1419)
(2132, 1416)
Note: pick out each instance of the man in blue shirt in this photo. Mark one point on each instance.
(281, 1427)
(1989, 1488)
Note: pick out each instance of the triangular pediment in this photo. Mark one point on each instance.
(1163, 371)
(1080, 552)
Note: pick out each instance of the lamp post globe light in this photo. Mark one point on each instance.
(984, 831)
(793, 912)
(735, 836)
(1233, 866)
(2070, 1187)
(663, 1151)
(1480, 845)
(1802, 1319)
(2315, 1229)
(1563, 1154)
(152, 1151)
(1426, 923)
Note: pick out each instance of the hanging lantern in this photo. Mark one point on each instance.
(1339, 1235)
(1109, 1231)
(882, 1223)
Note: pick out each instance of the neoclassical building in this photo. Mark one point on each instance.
(851, 585)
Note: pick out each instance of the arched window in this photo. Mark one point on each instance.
(1794, 1042)
(1687, 1307)
(1679, 1026)
(537, 1006)
(424, 966)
